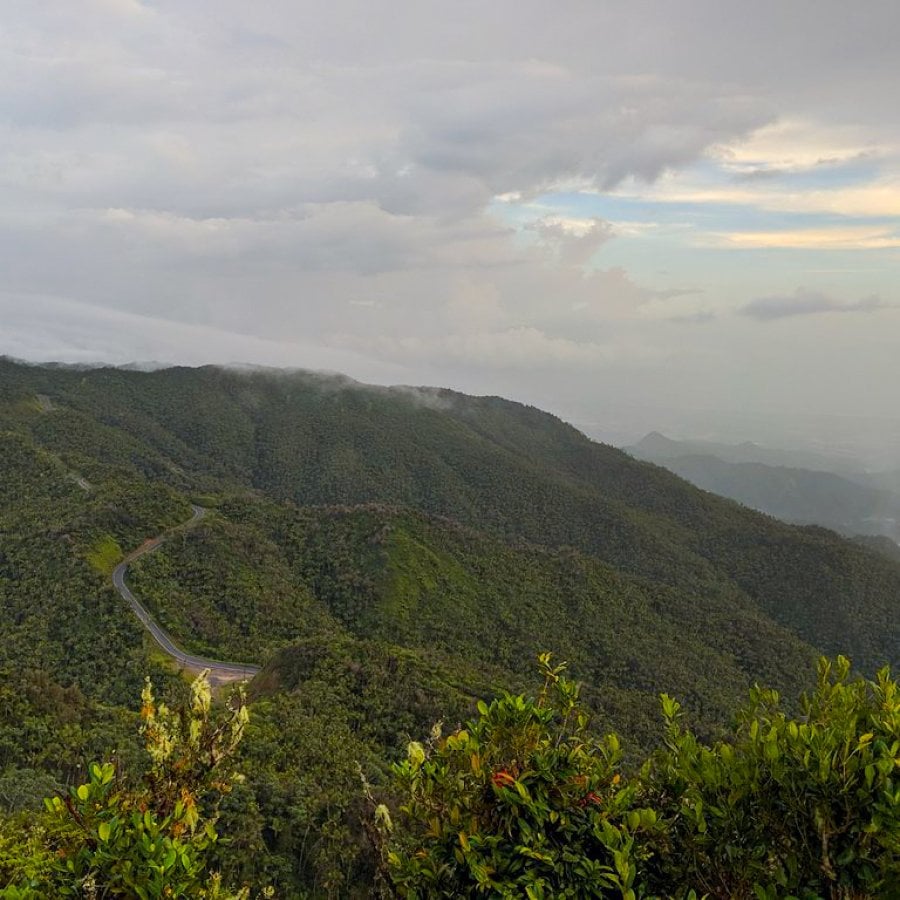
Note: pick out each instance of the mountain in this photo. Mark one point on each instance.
(852, 505)
(882, 481)
(800, 496)
(656, 447)
(389, 555)
(510, 470)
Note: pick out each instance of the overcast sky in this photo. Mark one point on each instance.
(633, 214)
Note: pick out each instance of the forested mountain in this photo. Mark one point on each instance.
(389, 556)
(801, 496)
(497, 466)
(656, 447)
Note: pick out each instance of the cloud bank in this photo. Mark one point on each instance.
(333, 186)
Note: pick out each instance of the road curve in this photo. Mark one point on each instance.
(219, 671)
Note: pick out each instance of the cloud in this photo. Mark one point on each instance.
(700, 317)
(807, 303)
(875, 197)
(796, 145)
(573, 241)
(519, 349)
(828, 238)
(793, 166)
(46, 328)
(683, 306)
(249, 171)
(297, 183)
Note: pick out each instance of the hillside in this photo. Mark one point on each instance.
(403, 578)
(495, 465)
(800, 496)
(390, 556)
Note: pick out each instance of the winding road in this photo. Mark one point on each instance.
(219, 672)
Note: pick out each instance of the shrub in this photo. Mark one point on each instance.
(149, 841)
(806, 807)
(524, 801)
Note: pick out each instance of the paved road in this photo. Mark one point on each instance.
(219, 671)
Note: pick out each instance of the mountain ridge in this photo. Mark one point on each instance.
(852, 504)
(390, 557)
(504, 468)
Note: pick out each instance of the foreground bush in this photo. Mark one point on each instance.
(524, 802)
(151, 840)
(806, 807)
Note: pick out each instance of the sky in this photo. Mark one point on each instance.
(638, 215)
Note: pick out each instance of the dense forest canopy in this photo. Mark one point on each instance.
(391, 557)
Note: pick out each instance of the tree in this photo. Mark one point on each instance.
(524, 801)
(149, 840)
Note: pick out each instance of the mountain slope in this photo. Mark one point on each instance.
(403, 578)
(498, 466)
(390, 557)
(800, 496)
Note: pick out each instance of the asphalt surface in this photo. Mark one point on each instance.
(218, 670)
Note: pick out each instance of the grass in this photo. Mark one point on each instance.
(105, 554)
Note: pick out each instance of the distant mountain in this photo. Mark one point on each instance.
(796, 495)
(656, 447)
(881, 481)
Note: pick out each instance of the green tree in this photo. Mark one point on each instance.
(524, 801)
(806, 807)
(149, 840)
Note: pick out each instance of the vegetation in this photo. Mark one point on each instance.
(105, 555)
(391, 558)
(148, 840)
(526, 801)
(500, 467)
(523, 802)
(806, 806)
